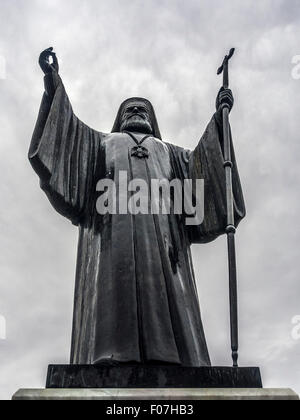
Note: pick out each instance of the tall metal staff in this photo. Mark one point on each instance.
(230, 229)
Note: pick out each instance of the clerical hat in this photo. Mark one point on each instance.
(117, 125)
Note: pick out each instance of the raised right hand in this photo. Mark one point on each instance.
(45, 64)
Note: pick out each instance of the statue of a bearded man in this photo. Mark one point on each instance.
(136, 297)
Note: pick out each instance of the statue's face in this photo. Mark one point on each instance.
(135, 117)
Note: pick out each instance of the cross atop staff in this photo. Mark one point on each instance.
(224, 68)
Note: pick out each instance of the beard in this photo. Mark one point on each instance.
(137, 124)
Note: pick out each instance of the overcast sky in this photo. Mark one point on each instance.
(167, 51)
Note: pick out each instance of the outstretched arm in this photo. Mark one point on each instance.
(207, 162)
(63, 150)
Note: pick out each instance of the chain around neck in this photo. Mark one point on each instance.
(138, 143)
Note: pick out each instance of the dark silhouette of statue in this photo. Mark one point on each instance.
(135, 299)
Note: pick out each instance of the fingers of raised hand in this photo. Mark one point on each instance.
(44, 60)
(46, 53)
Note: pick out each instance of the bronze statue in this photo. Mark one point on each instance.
(136, 299)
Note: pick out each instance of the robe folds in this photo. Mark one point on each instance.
(136, 299)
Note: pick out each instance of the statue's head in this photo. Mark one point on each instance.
(137, 115)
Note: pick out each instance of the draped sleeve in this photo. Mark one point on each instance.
(63, 152)
(207, 162)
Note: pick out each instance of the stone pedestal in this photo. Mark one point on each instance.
(156, 394)
(147, 376)
(153, 383)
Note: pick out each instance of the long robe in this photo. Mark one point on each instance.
(135, 297)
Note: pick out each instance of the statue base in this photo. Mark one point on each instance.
(145, 376)
(141, 395)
